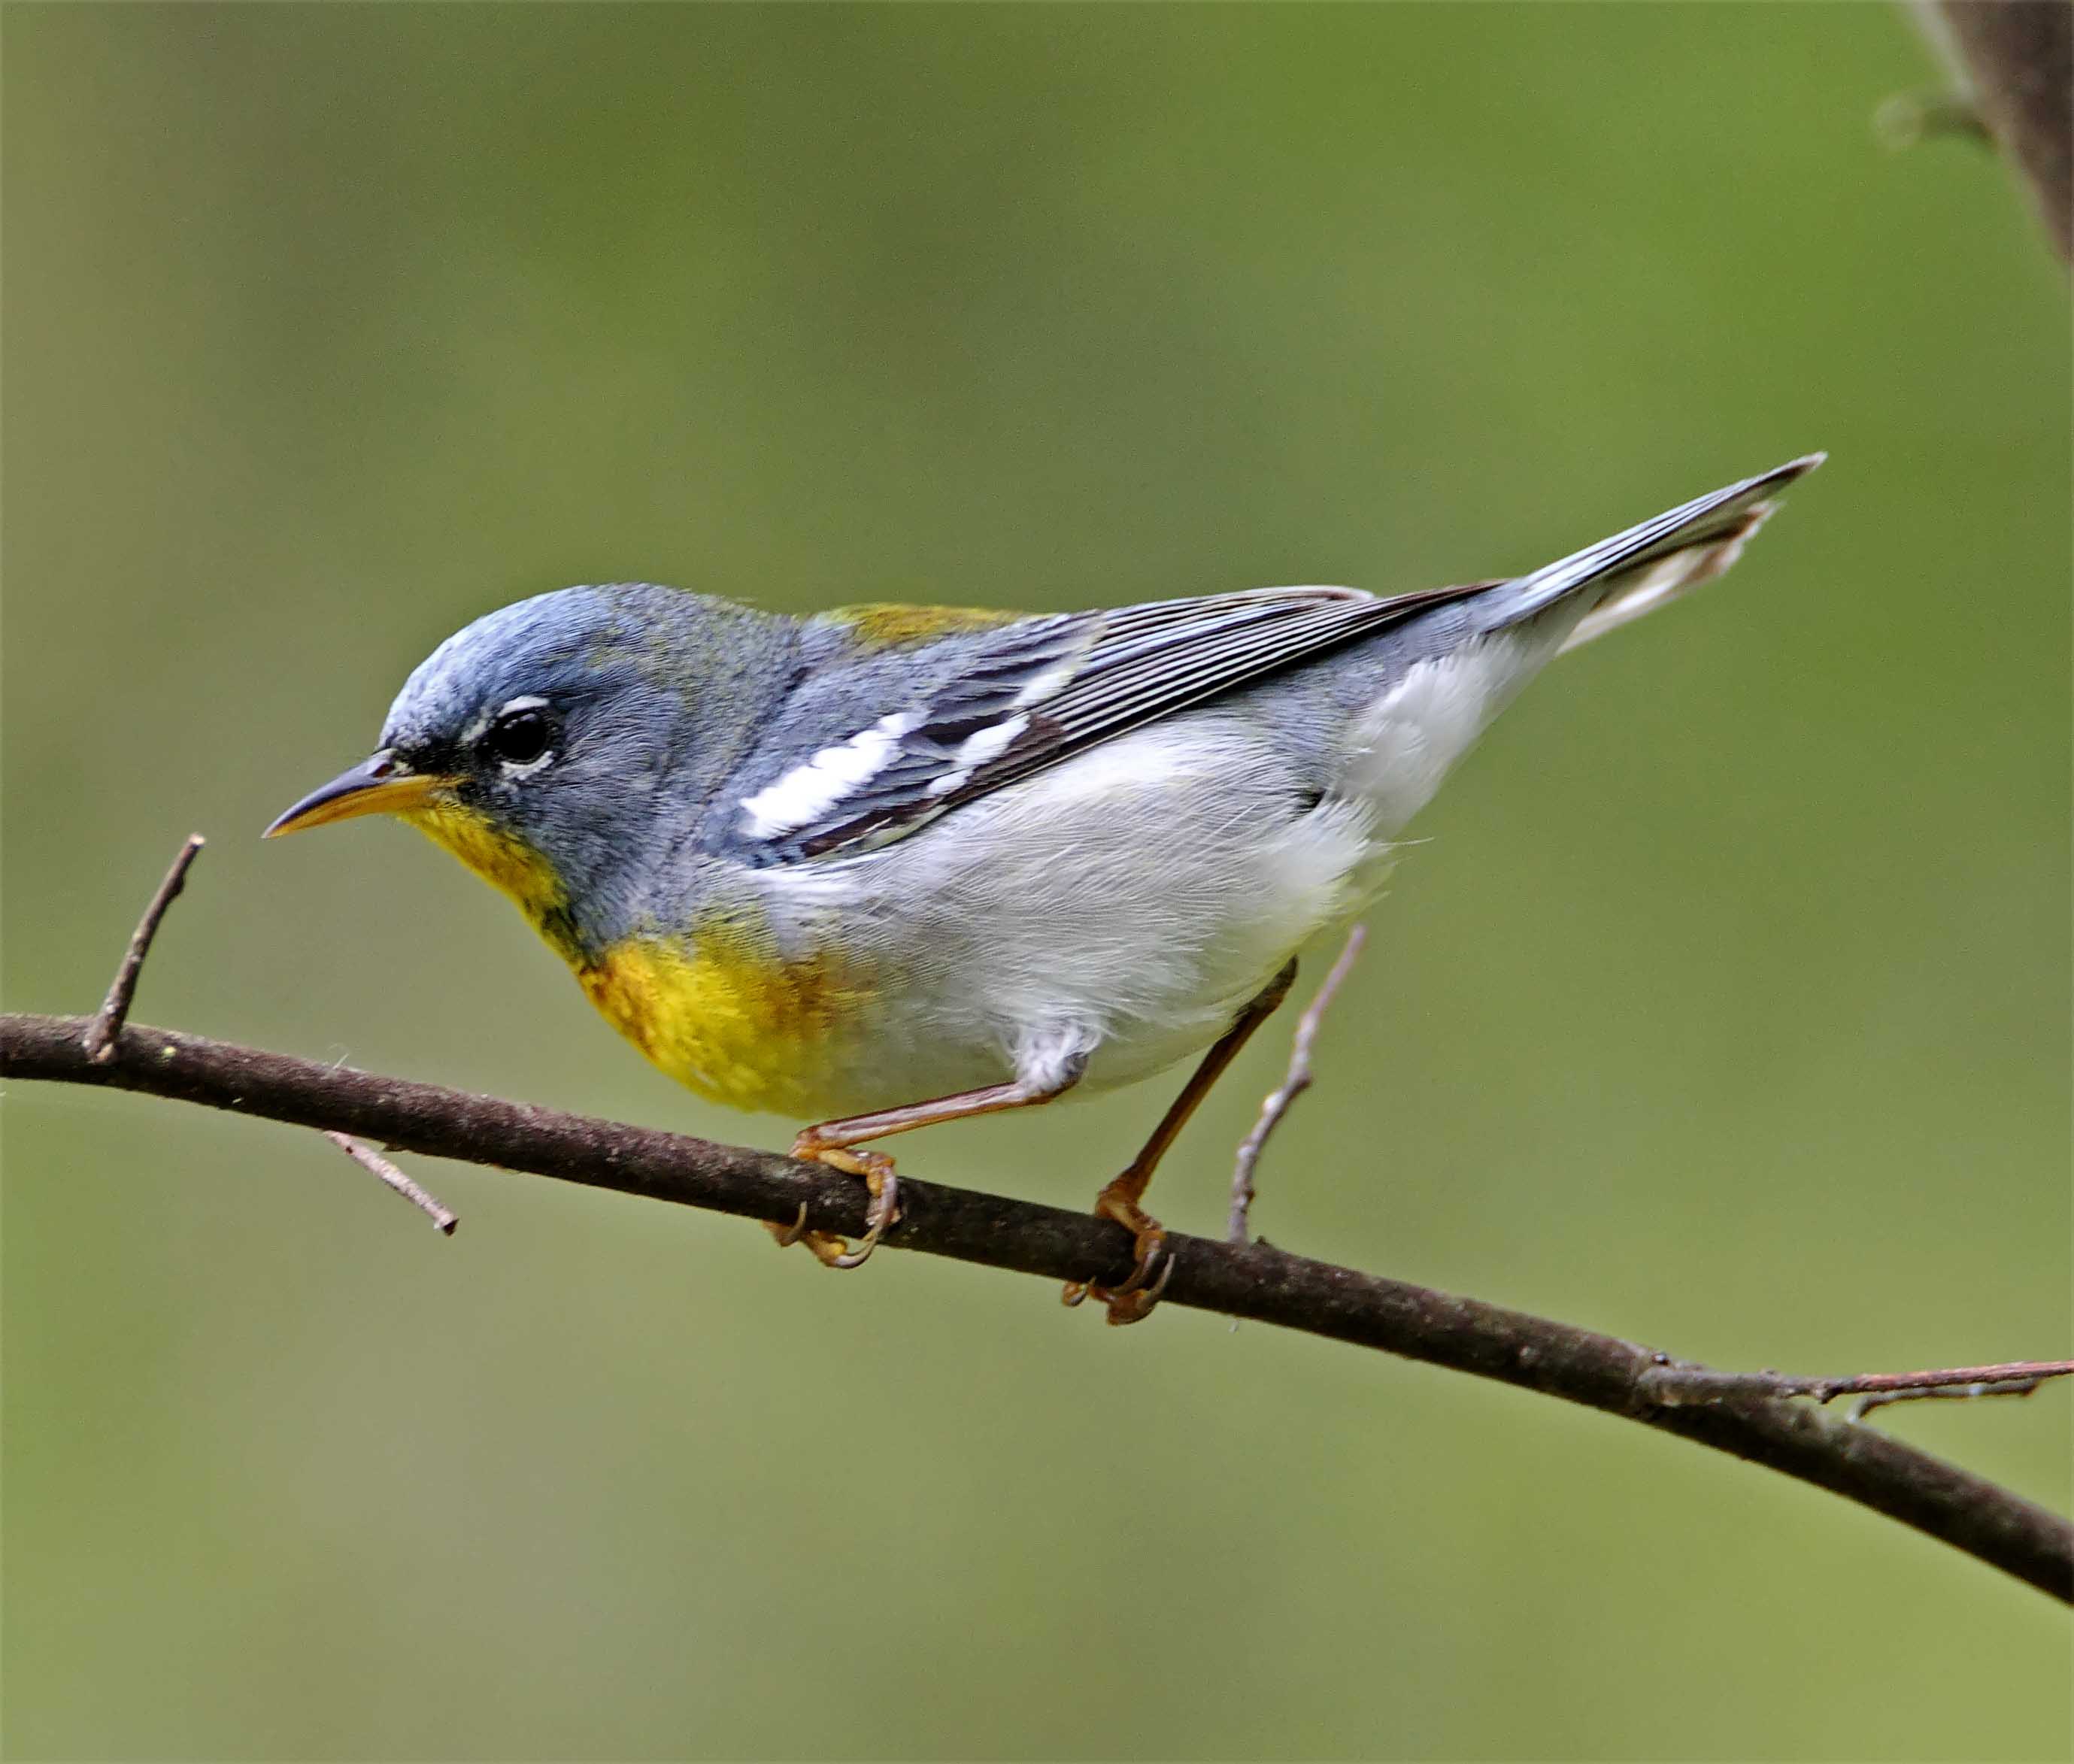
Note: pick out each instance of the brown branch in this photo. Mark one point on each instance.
(1753, 1415)
(443, 1219)
(107, 1023)
(2014, 61)
(1253, 1281)
(1296, 1082)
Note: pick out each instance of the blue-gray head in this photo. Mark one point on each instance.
(551, 744)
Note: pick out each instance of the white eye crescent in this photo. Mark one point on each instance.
(520, 735)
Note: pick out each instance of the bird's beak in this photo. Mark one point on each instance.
(382, 785)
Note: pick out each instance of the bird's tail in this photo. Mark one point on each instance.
(1649, 565)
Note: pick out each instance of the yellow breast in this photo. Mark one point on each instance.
(718, 1007)
(722, 1012)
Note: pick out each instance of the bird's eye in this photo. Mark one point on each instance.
(519, 737)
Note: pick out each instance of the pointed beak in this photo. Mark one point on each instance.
(382, 785)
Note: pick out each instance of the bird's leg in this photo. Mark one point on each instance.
(1121, 1198)
(832, 1142)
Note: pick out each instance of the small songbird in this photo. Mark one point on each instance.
(890, 865)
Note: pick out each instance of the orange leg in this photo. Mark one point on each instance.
(1121, 1198)
(831, 1141)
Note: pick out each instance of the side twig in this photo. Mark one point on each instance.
(1909, 118)
(2006, 1378)
(1879, 1399)
(444, 1220)
(1294, 1083)
(107, 1023)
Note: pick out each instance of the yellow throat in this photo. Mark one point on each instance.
(716, 1006)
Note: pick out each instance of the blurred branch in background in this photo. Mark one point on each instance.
(2013, 62)
(1763, 1417)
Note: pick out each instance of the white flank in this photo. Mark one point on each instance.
(1405, 743)
(806, 792)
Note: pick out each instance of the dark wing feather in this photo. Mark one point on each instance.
(1040, 691)
(1044, 690)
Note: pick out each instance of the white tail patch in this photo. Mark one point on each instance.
(1628, 597)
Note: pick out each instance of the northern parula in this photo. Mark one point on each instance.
(891, 865)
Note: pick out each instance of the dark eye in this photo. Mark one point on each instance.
(519, 737)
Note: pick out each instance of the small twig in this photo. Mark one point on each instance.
(1673, 1384)
(1294, 1083)
(372, 1161)
(1878, 1399)
(1999, 1379)
(1908, 118)
(106, 1028)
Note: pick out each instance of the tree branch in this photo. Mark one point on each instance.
(2015, 62)
(1755, 1421)
(1751, 1414)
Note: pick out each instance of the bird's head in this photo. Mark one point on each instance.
(552, 744)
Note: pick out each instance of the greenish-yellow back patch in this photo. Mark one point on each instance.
(892, 625)
(722, 1013)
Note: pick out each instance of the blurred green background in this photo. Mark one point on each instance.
(1727, 1008)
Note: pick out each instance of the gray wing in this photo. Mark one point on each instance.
(1042, 690)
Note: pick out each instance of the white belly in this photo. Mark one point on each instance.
(1031, 928)
(1124, 906)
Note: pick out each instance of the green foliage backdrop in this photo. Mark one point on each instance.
(1727, 1007)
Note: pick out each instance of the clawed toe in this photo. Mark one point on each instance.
(876, 1168)
(1135, 1298)
(795, 1233)
(1150, 1251)
(830, 1250)
(1134, 1301)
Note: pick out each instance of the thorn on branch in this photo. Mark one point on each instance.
(106, 1029)
(444, 1220)
(1298, 1079)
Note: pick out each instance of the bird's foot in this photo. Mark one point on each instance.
(829, 1249)
(1133, 1300)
